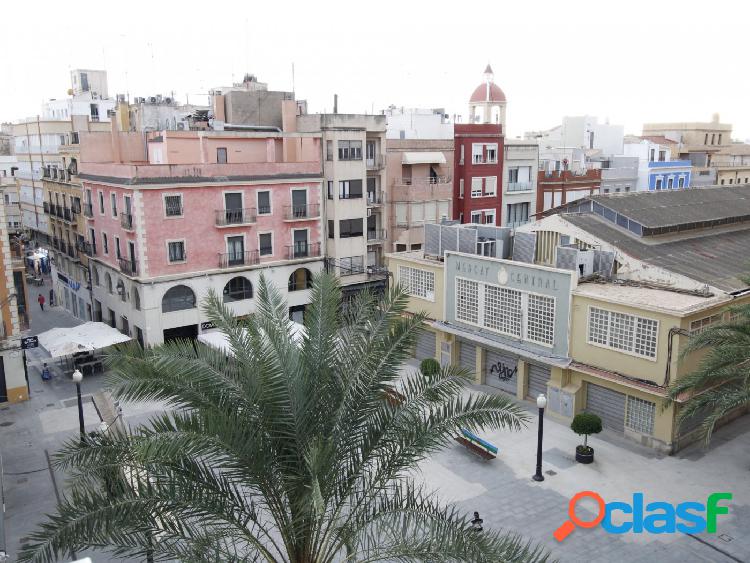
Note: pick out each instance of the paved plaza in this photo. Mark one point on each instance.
(501, 489)
(506, 497)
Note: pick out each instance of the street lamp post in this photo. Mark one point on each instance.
(77, 378)
(541, 402)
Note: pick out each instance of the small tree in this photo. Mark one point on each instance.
(429, 367)
(586, 423)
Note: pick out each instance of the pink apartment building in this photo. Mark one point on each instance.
(173, 214)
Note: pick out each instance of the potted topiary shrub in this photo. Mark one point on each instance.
(585, 423)
(429, 367)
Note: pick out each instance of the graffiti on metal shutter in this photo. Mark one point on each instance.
(503, 371)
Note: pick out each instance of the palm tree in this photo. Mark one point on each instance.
(280, 451)
(721, 382)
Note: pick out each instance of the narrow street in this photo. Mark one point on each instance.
(31, 432)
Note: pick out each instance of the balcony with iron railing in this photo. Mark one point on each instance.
(86, 247)
(376, 236)
(303, 250)
(374, 198)
(46, 207)
(126, 221)
(88, 210)
(128, 266)
(375, 162)
(477, 159)
(237, 259)
(55, 242)
(519, 186)
(67, 214)
(233, 217)
(425, 181)
(63, 247)
(515, 224)
(301, 212)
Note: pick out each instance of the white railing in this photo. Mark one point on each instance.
(519, 186)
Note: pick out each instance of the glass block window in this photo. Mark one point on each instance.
(645, 337)
(467, 300)
(627, 333)
(418, 283)
(540, 323)
(640, 415)
(598, 324)
(502, 310)
(621, 331)
(696, 327)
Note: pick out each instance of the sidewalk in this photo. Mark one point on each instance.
(506, 497)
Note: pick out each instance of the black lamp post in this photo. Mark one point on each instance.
(77, 378)
(541, 402)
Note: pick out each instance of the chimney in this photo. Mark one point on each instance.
(335, 103)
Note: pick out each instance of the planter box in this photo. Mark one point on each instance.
(584, 456)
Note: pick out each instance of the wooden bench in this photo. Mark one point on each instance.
(393, 397)
(477, 445)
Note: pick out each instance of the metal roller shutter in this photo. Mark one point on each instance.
(467, 356)
(608, 404)
(538, 378)
(426, 345)
(501, 371)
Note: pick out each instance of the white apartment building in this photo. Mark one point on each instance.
(354, 182)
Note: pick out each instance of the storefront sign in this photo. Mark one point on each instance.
(29, 342)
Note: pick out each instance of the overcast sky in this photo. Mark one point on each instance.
(627, 61)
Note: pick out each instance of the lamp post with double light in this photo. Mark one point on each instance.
(541, 402)
(77, 378)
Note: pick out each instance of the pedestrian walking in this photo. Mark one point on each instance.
(40, 299)
(476, 524)
(45, 373)
(51, 297)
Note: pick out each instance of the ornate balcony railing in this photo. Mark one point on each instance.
(128, 266)
(235, 259)
(301, 212)
(227, 217)
(303, 250)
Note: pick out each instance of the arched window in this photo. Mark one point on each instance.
(301, 278)
(108, 282)
(121, 290)
(136, 299)
(178, 298)
(97, 281)
(237, 289)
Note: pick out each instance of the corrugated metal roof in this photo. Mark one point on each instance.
(715, 258)
(679, 207)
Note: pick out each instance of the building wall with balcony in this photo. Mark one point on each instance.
(350, 256)
(561, 186)
(519, 182)
(14, 317)
(420, 192)
(205, 224)
(466, 168)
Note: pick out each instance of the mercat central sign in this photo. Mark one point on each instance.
(526, 280)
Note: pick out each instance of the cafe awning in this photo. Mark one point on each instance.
(217, 339)
(423, 158)
(87, 337)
